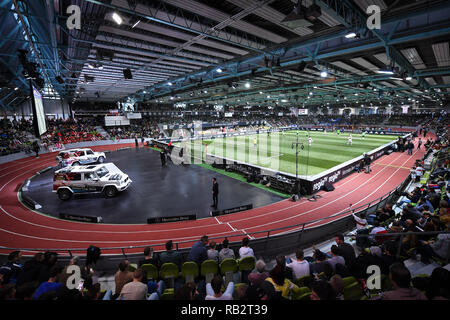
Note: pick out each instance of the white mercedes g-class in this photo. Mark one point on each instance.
(101, 178)
(79, 157)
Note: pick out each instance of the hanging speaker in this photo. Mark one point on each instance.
(127, 74)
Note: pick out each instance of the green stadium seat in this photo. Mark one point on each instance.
(209, 269)
(353, 292)
(168, 294)
(189, 271)
(227, 268)
(303, 281)
(247, 264)
(151, 271)
(349, 280)
(386, 283)
(425, 177)
(372, 295)
(303, 294)
(169, 271)
(132, 267)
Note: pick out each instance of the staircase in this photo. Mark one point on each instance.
(102, 132)
(416, 267)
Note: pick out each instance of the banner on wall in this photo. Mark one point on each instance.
(56, 147)
(302, 112)
(116, 121)
(228, 114)
(134, 115)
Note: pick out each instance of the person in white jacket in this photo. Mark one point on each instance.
(361, 222)
(245, 250)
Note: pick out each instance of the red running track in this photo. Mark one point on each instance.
(23, 228)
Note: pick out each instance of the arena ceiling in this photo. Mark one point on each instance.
(230, 52)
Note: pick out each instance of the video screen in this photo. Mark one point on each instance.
(40, 115)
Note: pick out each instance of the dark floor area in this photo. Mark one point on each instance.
(155, 192)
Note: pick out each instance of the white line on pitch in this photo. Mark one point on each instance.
(231, 226)
(217, 220)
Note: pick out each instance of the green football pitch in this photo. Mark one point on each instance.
(277, 151)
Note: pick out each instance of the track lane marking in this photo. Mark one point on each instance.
(201, 226)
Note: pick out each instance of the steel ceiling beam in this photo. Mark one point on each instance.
(201, 36)
(354, 19)
(151, 17)
(330, 53)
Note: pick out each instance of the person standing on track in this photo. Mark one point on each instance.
(419, 143)
(410, 148)
(367, 162)
(36, 148)
(162, 155)
(215, 192)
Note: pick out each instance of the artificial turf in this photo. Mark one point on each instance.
(277, 151)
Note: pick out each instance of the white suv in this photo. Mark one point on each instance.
(101, 178)
(77, 157)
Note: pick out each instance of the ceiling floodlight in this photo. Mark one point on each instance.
(117, 18)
